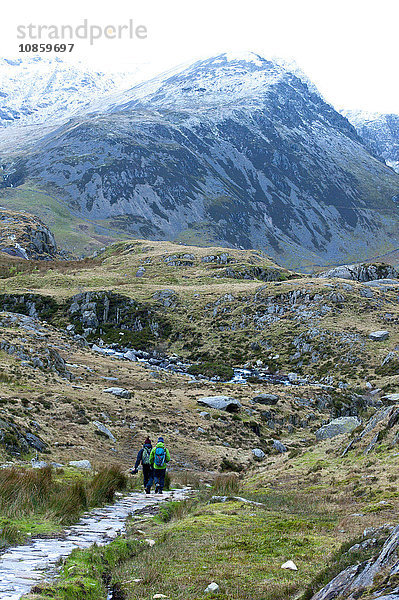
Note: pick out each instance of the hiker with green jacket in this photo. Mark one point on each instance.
(159, 457)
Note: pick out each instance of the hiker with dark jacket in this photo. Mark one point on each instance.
(158, 459)
(143, 457)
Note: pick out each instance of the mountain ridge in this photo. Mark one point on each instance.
(237, 152)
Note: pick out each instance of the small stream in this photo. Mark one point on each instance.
(171, 364)
(23, 566)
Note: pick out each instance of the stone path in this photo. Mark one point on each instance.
(21, 567)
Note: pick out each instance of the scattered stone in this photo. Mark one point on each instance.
(289, 565)
(394, 398)
(379, 336)
(336, 298)
(140, 272)
(267, 399)
(150, 542)
(212, 588)
(159, 596)
(130, 355)
(221, 403)
(337, 427)
(96, 348)
(104, 430)
(205, 415)
(38, 464)
(258, 454)
(80, 464)
(117, 391)
(279, 446)
(201, 430)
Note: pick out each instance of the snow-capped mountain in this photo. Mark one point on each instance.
(38, 94)
(236, 150)
(381, 132)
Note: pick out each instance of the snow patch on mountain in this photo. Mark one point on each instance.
(380, 132)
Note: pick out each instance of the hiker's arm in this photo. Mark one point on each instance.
(152, 456)
(138, 460)
(167, 457)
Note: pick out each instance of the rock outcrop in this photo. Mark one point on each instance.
(362, 272)
(25, 236)
(337, 427)
(220, 403)
(378, 574)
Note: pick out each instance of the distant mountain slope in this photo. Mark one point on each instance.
(381, 133)
(37, 94)
(233, 150)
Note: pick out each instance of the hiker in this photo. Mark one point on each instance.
(143, 457)
(158, 459)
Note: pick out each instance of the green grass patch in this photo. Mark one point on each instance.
(41, 500)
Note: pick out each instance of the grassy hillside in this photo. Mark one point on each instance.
(209, 306)
(74, 234)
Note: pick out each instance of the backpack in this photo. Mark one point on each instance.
(145, 457)
(159, 456)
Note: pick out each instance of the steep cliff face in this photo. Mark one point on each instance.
(235, 150)
(380, 132)
(25, 236)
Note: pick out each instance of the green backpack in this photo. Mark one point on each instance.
(145, 457)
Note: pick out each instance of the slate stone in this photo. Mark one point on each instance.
(258, 454)
(266, 399)
(337, 427)
(35, 442)
(279, 446)
(104, 430)
(117, 391)
(379, 336)
(221, 403)
(80, 464)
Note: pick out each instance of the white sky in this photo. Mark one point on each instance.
(349, 48)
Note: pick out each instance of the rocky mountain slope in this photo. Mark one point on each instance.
(38, 94)
(380, 132)
(235, 150)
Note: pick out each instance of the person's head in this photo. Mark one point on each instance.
(147, 442)
(161, 440)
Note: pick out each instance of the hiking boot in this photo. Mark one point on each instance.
(157, 490)
(147, 490)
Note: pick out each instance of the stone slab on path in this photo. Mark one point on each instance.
(21, 567)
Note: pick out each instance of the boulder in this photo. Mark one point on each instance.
(130, 355)
(101, 428)
(205, 415)
(267, 399)
(289, 565)
(80, 464)
(212, 588)
(258, 454)
(379, 336)
(117, 391)
(279, 446)
(337, 427)
(220, 403)
(394, 398)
